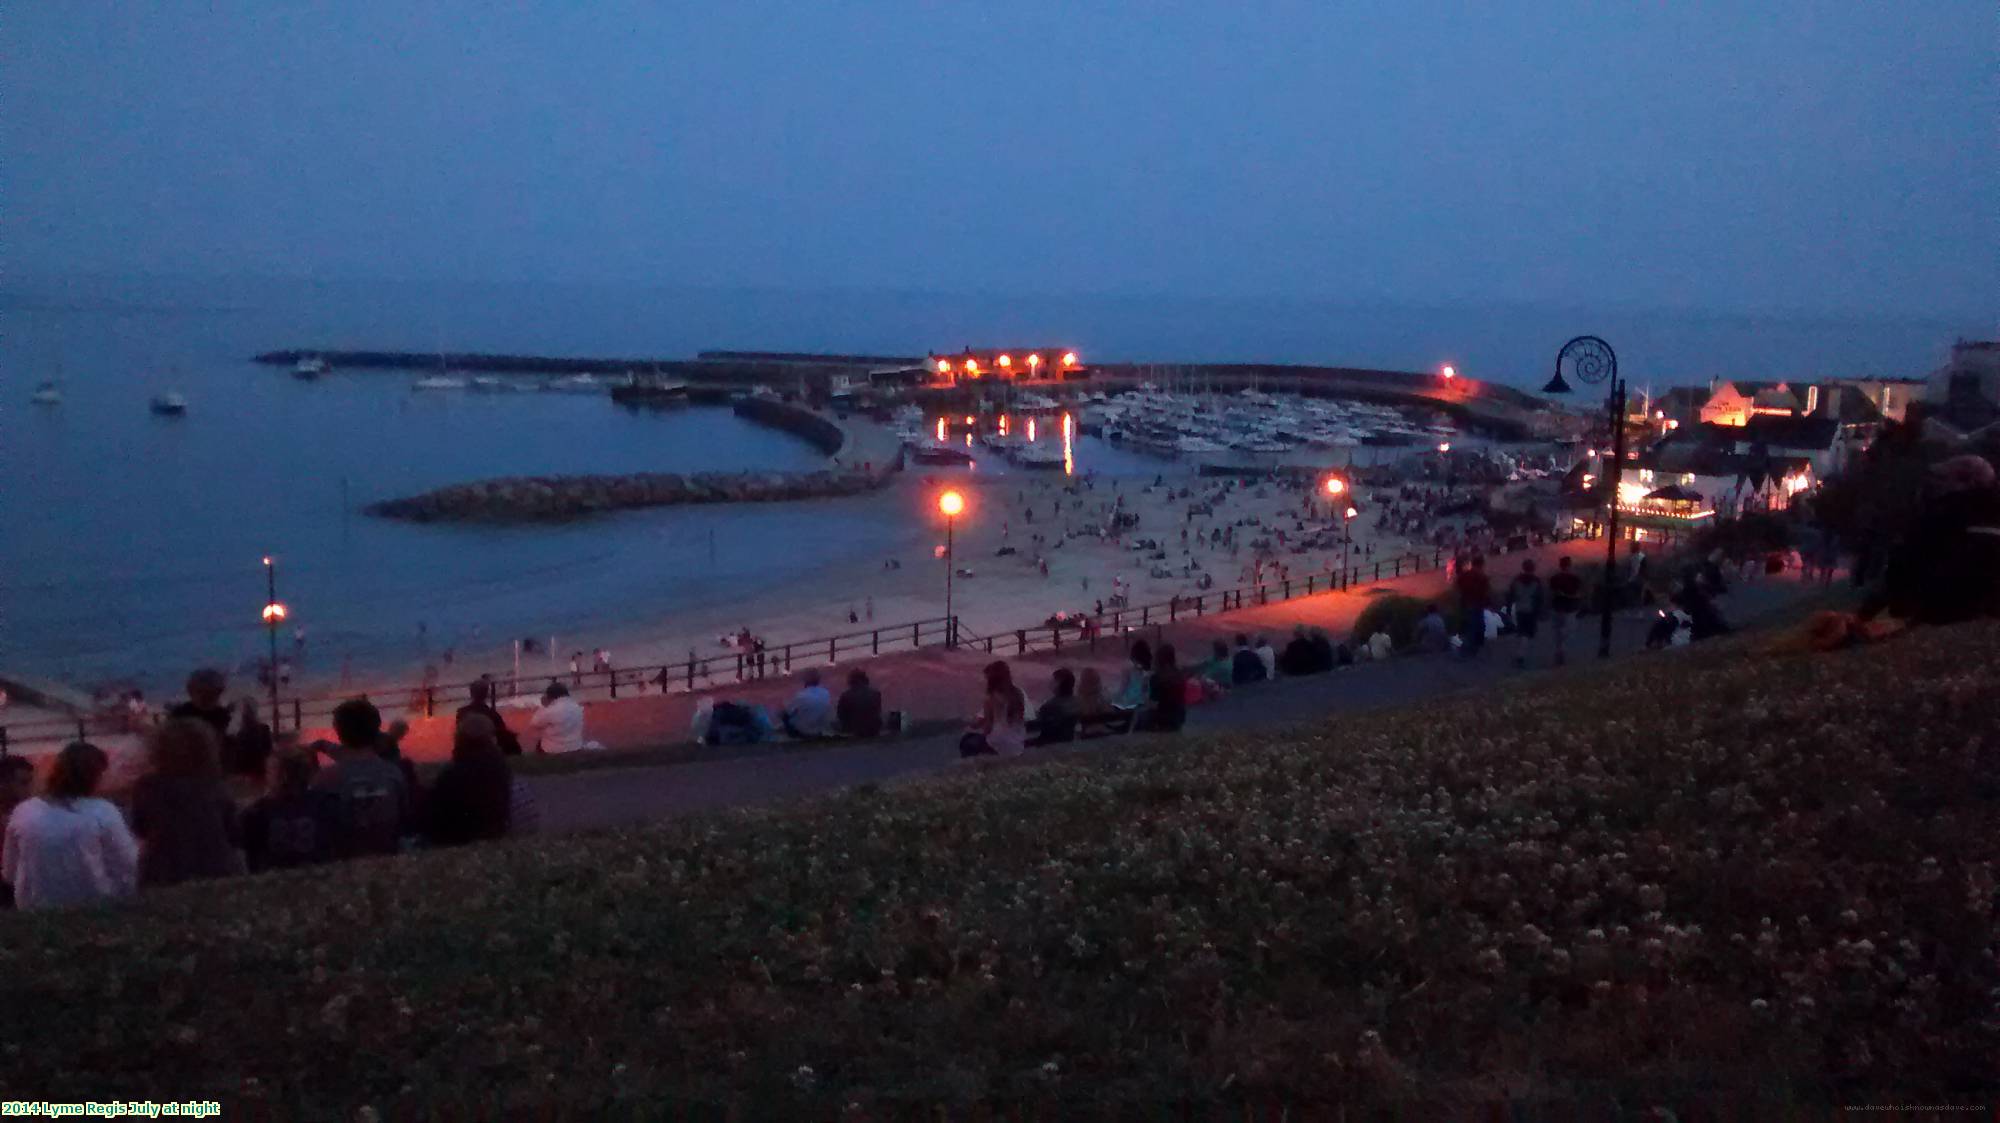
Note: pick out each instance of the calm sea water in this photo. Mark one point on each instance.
(130, 544)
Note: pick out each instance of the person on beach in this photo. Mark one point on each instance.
(67, 846)
(1001, 729)
(482, 706)
(372, 800)
(182, 815)
(472, 800)
(1056, 718)
(559, 722)
(290, 825)
(1565, 602)
(809, 715)
(859, 712)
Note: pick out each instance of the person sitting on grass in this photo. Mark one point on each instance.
(1218, 669)
(17, 785)
(859, 712)
(372, 800)
(1432, 634)
(185, 820)
(482, 705)
(559, 722)
(1298, 658)
(290, 825)
(1268, 655)
(473, 797)
(1246, 667)
(1167, 712)
(1093, 706)
(1132, 688)
(1055, 719)
(1324, 655)
(1380, 646)
(67, 846)
(1001, 729)
(809, 715)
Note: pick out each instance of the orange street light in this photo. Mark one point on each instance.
(951, 503)
(1450, 372)
(1034, 361)
(1069, 358)
(1444, 446)
(1005, 361)
(944, 366)
(1335, 485)
(274, 613)
(1353, 511)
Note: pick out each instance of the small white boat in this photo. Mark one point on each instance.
(169, 404)
(575, 384)
(47, 394)
(438, 382)
(493, 384)
(309, 367)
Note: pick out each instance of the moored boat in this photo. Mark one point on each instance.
(170, 404)
(309, 367)
(47, 394)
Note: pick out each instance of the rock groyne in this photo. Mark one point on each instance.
(518, 499)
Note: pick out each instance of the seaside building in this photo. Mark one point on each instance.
(1962, 397)
(1007, 364)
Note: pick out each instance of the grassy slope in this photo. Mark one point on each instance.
(1550, 891)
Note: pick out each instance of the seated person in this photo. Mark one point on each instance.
(1246, 667)
(1056, 719)
(1219, 668)
(860, 710)
(559, 722)
(1324, 656)
(1432, 635)
(809, 714)
(1298, 657)
(482, 705)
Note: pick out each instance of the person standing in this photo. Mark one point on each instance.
(204, 690)
(67, 846)
(1565, 602)
(1475, 595)
(482, 706)
(1527, 599)
(185, 820)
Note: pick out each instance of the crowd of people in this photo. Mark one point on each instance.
(181, 820)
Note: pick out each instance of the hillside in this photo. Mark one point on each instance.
(1712, 874)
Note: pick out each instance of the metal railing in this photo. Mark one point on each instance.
(699, 672)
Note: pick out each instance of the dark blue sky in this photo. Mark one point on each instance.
(1827, 156)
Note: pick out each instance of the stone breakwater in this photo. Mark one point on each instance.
(554, 498)
(863, 458)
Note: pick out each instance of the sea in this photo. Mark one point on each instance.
(131, 545)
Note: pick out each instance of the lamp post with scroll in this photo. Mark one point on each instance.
(1593, 361)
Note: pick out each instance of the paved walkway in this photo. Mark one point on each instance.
(615, 797)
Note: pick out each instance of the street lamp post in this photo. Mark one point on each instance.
(1336, 490)
(951, 503)
(274, 615)
(1592, 361)
(1347, 546)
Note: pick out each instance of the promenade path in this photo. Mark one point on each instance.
(942, 685)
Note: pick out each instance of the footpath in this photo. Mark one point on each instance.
(943, 685)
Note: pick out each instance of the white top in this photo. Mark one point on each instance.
(68, 853)
(1269, 655)
(1380, 646)
(560, 725)
(811, 711)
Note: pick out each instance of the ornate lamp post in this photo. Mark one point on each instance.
(274, 615)
(951, 504)
(1592, 361)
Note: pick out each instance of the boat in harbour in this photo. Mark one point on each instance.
(47, 394)
(653, 392)
(492, 384)
(937, 452)
(309, 367)
(170, 404)
(438, 382)
(574, 384)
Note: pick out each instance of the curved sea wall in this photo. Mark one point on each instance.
(555, 498)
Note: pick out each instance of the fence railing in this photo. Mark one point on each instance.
(702, 672)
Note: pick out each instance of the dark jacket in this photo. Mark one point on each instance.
(280, 833)
(187, 829)
(1056, 720)
(1297, 658)
(1247, 668)
(1168, 694)
(510, 743)
(859, 711)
